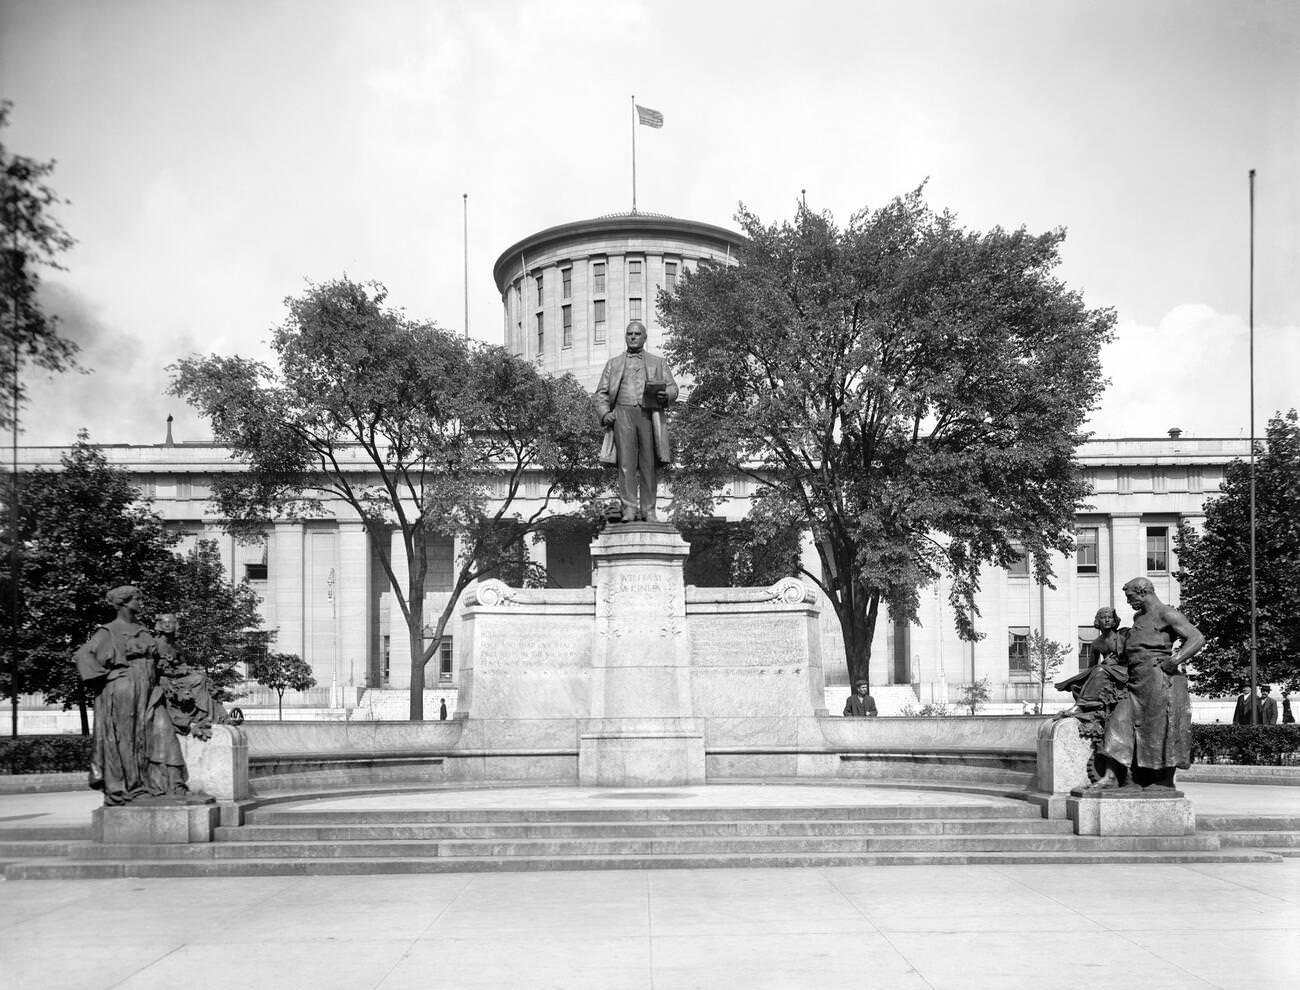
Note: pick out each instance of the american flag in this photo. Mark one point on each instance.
(651, 118)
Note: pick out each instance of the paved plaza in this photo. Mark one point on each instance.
(1042, 926)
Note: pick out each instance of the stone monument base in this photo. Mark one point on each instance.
(154, 823)
(640, 753)
(1141, 813)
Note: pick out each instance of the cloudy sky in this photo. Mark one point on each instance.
(217, 153)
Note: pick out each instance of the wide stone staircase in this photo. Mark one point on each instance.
(307, 841)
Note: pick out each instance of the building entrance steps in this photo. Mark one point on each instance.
(529, 829)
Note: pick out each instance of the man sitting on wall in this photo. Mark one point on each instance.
(861, 703)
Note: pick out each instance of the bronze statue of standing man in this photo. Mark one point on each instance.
(634, 390)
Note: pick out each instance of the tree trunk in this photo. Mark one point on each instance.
(280, 703)
(81, 708)
(857, 617)
(415, 634)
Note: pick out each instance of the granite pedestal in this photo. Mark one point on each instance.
(1119, 812)
(642, 729)
(135, 824)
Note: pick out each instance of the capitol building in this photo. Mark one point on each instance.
(567, 293)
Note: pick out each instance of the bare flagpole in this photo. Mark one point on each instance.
(1254, 667)
(466, 225)
(633, 152)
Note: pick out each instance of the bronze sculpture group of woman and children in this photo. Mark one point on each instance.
(1133, 703)
(146, 696)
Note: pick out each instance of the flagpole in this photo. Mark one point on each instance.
(633, 152)
(466, 248)
(1254, 668)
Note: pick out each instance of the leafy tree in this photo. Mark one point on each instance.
(1214, 575)
(219, 621)
(975, 696)
(84, 529)
(909, 390)
(282, 672)
(410, 426)
(1045, 659)
(32, 238)
(729, 554)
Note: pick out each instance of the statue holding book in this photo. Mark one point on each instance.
(635, 389)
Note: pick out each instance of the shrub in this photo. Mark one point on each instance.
(930, 710)
(1246, 745)
(45, 754)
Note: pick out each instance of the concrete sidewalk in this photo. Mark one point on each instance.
(1086, 926)
(969, 927)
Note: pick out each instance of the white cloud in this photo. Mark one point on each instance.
(1192, 371)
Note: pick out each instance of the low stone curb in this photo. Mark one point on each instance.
(1211, 773)
(40, 783)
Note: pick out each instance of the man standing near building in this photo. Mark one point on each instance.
(1267, 706)
(634, 389)
(1245, 702)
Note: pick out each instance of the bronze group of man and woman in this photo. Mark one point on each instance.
(1134, 700)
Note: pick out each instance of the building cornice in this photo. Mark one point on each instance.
(614, 225)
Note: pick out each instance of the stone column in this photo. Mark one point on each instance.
(353, 601)
(1128, 557)
(286, 576)
(399, 643)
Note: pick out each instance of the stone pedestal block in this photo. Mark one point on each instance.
(641, 657)
(1063, 757)
(218, 766)
(168, 824)
(1111, 813)
(644, 759)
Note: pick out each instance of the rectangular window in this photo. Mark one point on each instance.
(388, 658)
(634, 274)
(1085, 550)
(1019, 569)
(440, 562)
(566, 317)
(255, 572)
(1086, 653)
(444, 660)
(634, 309)
(598, 277)
(670, 275)
(598, 321)
(539, 288)
(1158, 549)
(541, 331)
(566, 283)
(1018, 649)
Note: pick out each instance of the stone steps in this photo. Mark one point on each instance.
(610, 846)
(678, 829)
(64, 869)
(1278, 834)
(307, 841)
(845, 813)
